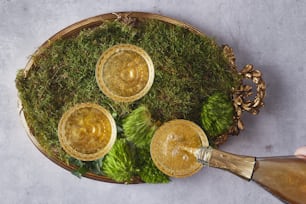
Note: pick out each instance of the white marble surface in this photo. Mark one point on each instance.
(268, 34)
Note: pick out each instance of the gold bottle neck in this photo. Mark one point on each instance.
(242, 166)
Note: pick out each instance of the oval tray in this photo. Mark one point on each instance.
(240, 96)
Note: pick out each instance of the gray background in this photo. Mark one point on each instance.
(268, 34)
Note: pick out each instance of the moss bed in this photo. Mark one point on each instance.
(188, 69)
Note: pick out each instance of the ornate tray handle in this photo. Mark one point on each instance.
(242, 97)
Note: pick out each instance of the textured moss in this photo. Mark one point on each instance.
(148, 172)
(217, 114)
(119, 164)
(188, 69)
(138, 127)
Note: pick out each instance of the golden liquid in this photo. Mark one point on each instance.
(285, 177)
(87, 130)
(125, 73)
(171, 145)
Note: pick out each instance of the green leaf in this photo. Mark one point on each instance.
(138, 127)
(80, 171)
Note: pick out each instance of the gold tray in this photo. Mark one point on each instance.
(241, 96)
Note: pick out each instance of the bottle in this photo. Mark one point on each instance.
(284, 177)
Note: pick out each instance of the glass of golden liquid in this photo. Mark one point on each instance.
(180, 148)
(125, 72)
(87, 131)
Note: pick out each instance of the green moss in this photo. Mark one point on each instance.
(138, 127)
(119, 163)
(148, 172)
(217, 114)
(188, 69)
